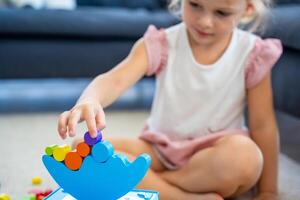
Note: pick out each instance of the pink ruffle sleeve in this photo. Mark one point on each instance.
(261, 60)
(157, 49)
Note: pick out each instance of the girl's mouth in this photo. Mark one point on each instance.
(203, 34)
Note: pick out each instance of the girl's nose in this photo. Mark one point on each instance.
(205, 21)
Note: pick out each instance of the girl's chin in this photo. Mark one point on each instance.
(203, 40)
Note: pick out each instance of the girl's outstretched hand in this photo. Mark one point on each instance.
(266, 196)
(88, 110)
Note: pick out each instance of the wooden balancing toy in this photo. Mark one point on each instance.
(93, 171)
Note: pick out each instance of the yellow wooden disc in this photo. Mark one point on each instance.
(68, 148)
(60, 152)
(4, 196)
(36, 180)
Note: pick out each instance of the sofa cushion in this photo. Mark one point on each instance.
(36, 95)
(285, 25)
(286, 82)
(85, 22)
(287, 1)
(147, 4)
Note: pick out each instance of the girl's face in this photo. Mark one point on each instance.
(210, 21)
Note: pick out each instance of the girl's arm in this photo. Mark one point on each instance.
(264, 132)
(103, 91)
(107, 87)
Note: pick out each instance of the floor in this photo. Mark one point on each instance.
(24, 137)
(289, 129)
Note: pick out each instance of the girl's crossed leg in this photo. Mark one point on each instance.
(230, 167)
(133, 148)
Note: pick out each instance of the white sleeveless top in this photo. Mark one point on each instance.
(191, 99)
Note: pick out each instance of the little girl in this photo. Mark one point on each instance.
(207, 71)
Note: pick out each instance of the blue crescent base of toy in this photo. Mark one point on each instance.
(108, 176)
(59, 194)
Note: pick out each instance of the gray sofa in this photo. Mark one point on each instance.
(285, 25)
(47, 57)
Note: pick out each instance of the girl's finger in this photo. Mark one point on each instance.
(91, 122)
(62, 124)
(73, 121)
(100, 120)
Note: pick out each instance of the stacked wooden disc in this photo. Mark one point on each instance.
(74, 159)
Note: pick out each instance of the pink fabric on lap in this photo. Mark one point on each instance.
(157, 49)
(178, 153)
(261, 60)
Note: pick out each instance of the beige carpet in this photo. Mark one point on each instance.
(23, 138)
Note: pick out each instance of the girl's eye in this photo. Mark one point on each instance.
(193, 4)
(222, 13)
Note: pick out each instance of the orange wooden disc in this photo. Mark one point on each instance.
(73, 160)
(83, 149)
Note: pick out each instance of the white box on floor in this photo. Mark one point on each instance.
(59, 194)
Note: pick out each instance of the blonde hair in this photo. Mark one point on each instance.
(254, 23)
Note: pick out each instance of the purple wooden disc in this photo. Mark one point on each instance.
(92, 141)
